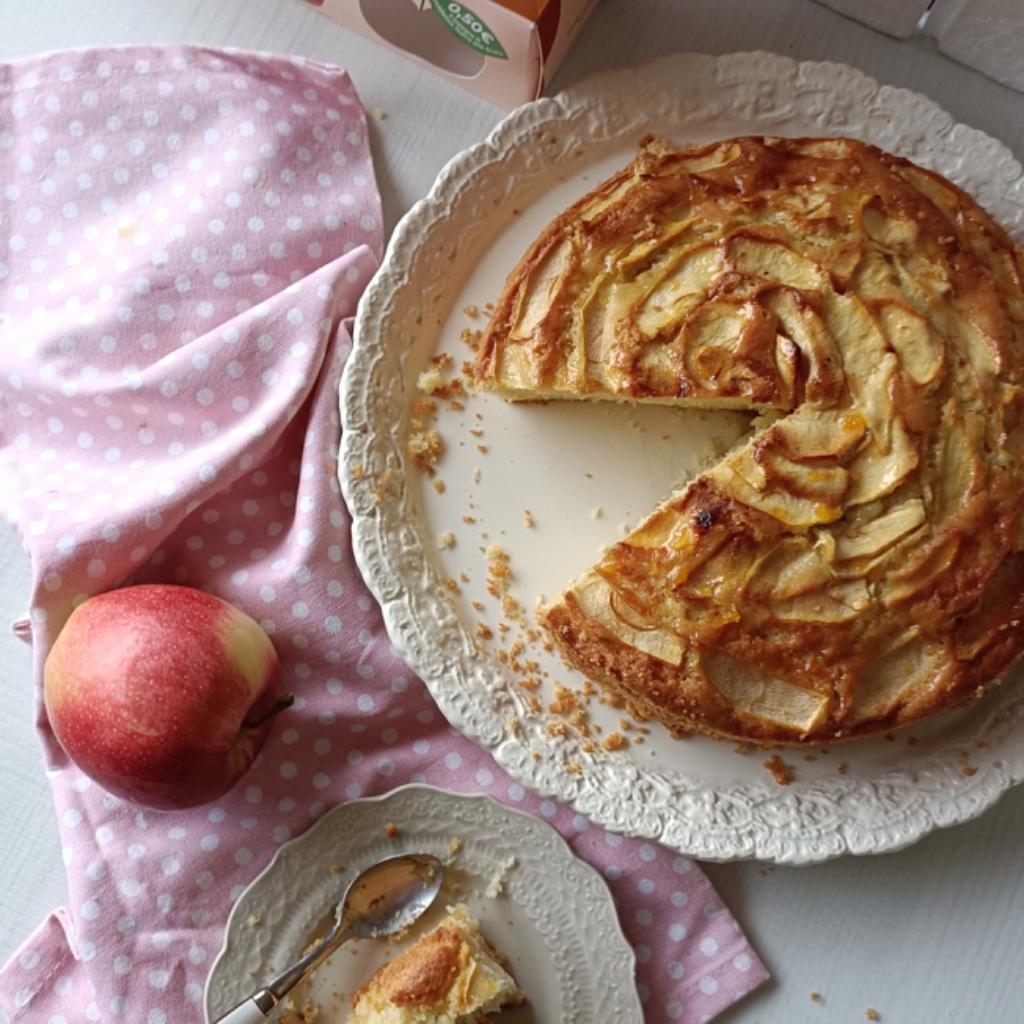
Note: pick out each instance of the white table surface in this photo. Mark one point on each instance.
(932, 934)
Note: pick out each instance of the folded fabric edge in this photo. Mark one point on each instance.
(21, 63)
(29, 973)
(714, 988)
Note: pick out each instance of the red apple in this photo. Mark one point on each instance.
(161, 694)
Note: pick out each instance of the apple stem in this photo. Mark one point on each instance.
(278, 706)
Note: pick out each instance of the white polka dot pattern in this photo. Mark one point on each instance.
(184, 235)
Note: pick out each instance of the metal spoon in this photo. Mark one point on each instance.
(384, 899)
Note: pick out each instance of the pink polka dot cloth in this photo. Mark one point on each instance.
(183, 238)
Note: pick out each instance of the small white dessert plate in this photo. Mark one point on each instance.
(553, 918)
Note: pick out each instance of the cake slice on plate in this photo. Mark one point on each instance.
(450, 976)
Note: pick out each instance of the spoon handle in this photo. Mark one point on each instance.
(280, 986)
(254, 1010)
(260, 1005)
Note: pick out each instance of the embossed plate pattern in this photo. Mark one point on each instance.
(453, 249)
(555, 919)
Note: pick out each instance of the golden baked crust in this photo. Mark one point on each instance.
(858, 562)
(449, 976)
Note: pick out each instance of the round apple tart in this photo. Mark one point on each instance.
(857, 562)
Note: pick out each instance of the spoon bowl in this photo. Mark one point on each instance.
(390, 896)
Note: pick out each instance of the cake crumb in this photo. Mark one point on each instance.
(454, 845)
(471, 311)
(377, 114)
(496, 884)
(871, 1014)
(781, 772)
(337, 869)
(439, 486)
(471, 338)
(396, 937)
(614, 741)
(424, 446)
(596, 512)
(528, 521)
(431, 380)
(565, 701)
(842, 767)
(512, 608)
(391, 830)
(815, 997)
(425, 449)
(498, 571)
(253, 920)
(446, 540)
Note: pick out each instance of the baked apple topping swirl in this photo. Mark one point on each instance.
(858, 562)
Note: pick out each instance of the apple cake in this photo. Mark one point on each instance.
(856, 562)
(449, 976)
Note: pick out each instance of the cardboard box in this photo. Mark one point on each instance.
(503, 50)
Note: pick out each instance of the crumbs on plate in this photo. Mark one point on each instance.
(779, 770)
(496, 883)
(424, 446)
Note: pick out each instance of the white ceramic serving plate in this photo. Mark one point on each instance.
(554, 918)
(563, 460)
